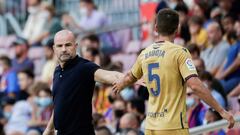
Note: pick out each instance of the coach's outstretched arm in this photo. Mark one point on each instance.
(50, 130)
(201, 91)
(107, 77)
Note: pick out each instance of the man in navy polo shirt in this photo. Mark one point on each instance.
(73, 85)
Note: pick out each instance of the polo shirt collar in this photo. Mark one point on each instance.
(70, 63)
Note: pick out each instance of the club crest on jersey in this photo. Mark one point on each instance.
(190, 64)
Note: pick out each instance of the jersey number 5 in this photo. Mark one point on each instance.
(152, 77)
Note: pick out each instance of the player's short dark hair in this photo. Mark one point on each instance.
(167, 21)
(138, 104)
(6, 60)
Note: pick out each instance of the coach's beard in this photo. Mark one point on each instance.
(65, 57)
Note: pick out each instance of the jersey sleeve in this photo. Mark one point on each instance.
(137, 68)
(185, 65)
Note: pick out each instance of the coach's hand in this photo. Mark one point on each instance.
(229, 117)
(117, 87)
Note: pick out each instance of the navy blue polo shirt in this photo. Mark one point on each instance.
(73, 88)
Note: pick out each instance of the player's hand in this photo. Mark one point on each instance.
(141, 82)
(229, 117)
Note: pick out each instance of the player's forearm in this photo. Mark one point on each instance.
(128, 80)
(203, 93)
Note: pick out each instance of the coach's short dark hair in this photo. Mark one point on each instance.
(167, 21)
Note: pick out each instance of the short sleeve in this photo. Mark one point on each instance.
(137, 68)
(185, 64)
(89, 69)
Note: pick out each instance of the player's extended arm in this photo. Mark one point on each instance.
(50, 130)
(127, 80)
(201, 91)
(107, 77)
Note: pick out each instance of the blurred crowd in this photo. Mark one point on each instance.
(209, 29)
